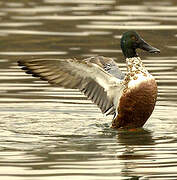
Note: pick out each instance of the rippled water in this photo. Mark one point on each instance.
(54, 133)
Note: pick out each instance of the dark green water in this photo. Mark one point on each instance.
(54, 133)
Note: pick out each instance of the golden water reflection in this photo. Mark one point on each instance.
(54, 133)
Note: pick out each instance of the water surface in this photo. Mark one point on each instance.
(55, 133)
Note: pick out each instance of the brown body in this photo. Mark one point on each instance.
(136, 105)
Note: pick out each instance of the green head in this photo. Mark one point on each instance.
(131, 40)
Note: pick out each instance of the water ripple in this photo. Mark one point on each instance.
(80, 1)
(32, 53)
(140, 27)
(54, 133)
(7, 31)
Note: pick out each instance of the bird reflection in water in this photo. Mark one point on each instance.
(138, 147)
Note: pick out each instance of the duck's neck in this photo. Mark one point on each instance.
(135, 65)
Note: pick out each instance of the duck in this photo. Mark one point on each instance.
(130, 97)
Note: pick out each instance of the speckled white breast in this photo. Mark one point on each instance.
(139, 79)
(136, 72)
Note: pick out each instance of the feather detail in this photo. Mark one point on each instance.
(91, 76)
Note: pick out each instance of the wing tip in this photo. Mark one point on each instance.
(20, 63)
(109, 111)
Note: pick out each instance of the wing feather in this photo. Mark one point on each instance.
(87, 75)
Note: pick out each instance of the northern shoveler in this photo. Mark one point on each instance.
(130, 97)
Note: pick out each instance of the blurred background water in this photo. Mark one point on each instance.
(54, 133)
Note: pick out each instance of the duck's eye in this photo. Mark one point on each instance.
(134, 38)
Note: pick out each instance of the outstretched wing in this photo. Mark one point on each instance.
(90, 78)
